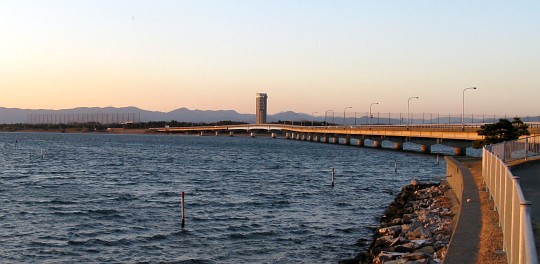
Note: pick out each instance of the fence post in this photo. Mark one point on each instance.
(526, 148)
(514, 233)
(504, 151)
(525, 208)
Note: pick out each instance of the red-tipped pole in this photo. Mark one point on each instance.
(183, 222)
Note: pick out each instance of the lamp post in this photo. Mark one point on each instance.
(370, 111)
(312, 118)
(344, 114)
(325, 123)
(463, 105)
(408, 109)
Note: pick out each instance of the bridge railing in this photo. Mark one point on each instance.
(514, 211)
(387, 118)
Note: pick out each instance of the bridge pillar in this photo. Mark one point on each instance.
(336, 140)
(287, 136)
(346, 141)
(297, 136)
(304, 137)
(310, 138)
(324, 139)
(460, 151)
(273, 135)
(231, 134)
(377, 144)
(217, 133)
(360, 142)
(201, 134)
(425, 149)
(398, 145)
(252, 134)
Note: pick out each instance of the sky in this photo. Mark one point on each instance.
(308, 56)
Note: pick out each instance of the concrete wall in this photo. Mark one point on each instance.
(465, 240)
(454, 177)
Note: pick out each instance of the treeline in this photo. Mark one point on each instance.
(95, 126)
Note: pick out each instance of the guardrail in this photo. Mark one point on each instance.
(517, 149)
(514, 211)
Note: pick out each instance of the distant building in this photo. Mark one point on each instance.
(261, 107)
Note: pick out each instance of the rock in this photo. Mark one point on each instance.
(416, 224)
(397, 261)
(420, 261)
(406, 248)
(407, 218)
(415, 256)
(426, 249)
(419, 233)
(399, 241)
(421, 242)
(441, 253)
(390, 231)
(406, 228)
(384, 241)
(385, 256)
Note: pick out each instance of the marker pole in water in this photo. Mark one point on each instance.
(395, 165)
(437, 159)
(332, 176)
(183, 222)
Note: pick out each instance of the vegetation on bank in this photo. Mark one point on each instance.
(304, 123)
(504, 130)
(98, 127)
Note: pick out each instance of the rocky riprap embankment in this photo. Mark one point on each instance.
(416, 228)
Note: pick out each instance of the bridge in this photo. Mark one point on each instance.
(454, 135)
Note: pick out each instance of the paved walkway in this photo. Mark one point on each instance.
(466, 239)
(529, 179)
(477, 237)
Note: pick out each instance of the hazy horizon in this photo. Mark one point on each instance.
(308, 56)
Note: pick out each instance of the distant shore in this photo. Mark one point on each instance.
(75, 131)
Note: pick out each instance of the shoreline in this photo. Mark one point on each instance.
(416, 227)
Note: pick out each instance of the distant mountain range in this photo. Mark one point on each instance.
(16, 115)
(123, 114)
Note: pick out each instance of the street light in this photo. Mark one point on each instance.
(463, 113)
(344, 114)
(312, 118)
(326, 124)
(408, 111)
(370, 111)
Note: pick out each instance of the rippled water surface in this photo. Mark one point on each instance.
(68, 198)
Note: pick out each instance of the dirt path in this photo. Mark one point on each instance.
(490, 248)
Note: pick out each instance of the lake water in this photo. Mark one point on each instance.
(68, 198)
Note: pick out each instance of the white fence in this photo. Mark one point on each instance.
(514, 211)
(517, 149)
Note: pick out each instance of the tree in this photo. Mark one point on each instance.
(503, 130)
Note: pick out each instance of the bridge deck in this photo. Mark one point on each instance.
(456, 132)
